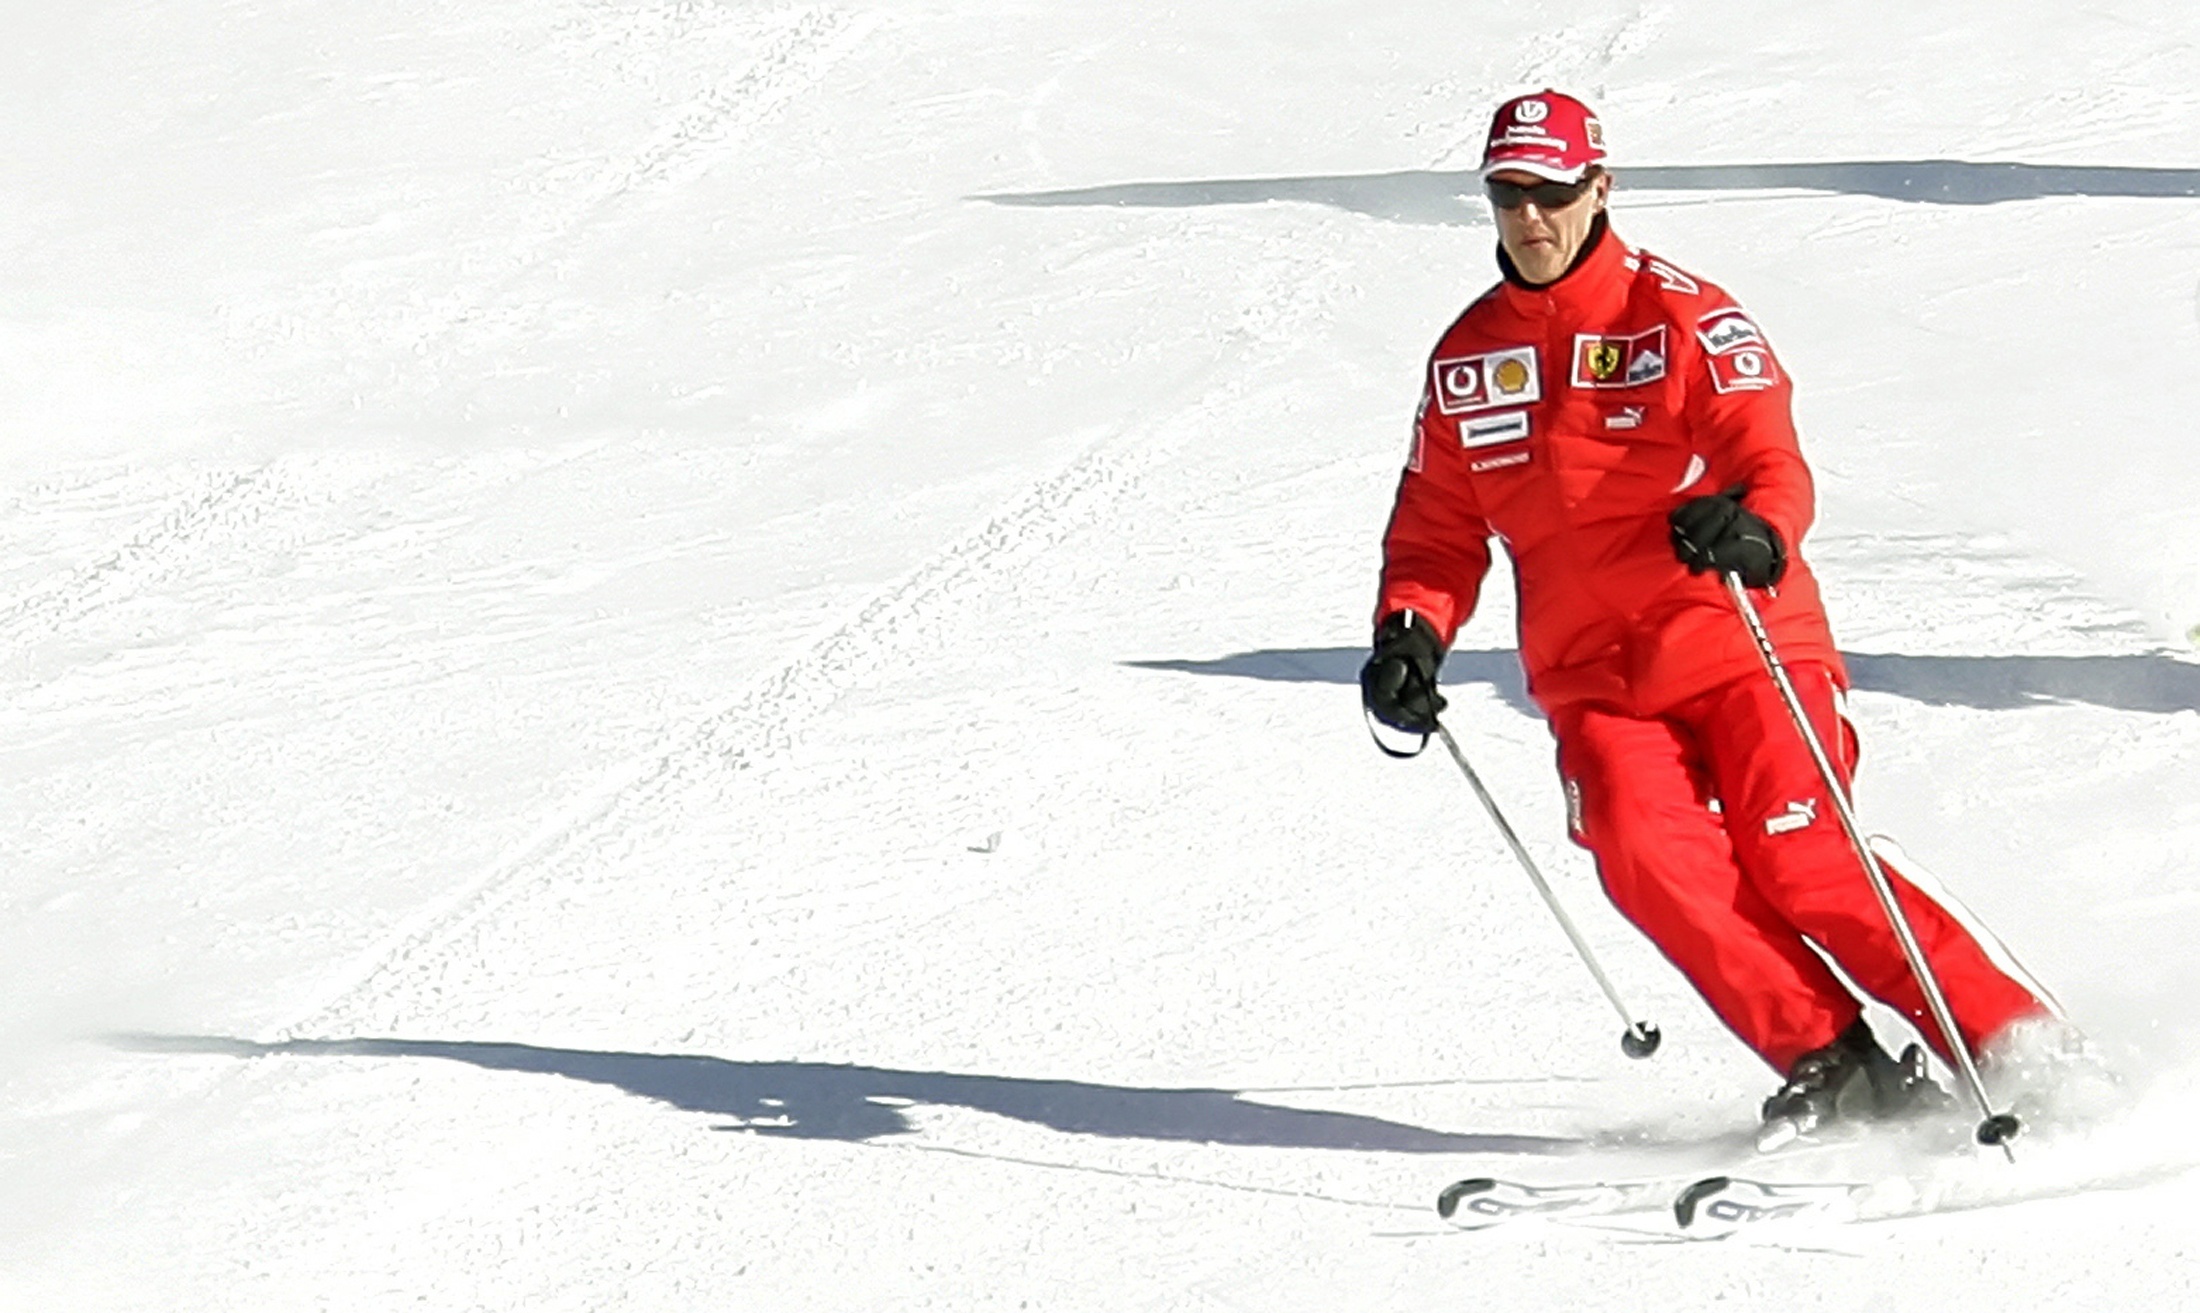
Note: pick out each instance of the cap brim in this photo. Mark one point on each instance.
(1547, 172)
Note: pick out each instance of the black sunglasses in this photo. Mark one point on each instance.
(1546, 195)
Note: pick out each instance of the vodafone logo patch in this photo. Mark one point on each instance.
(1465, 384)
(1743, 369)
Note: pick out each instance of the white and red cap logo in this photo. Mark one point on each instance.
(1548, 134)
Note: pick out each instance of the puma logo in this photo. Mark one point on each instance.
(1798, 816)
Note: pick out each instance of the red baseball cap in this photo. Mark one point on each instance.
(1548, 134)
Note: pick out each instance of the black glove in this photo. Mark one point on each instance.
(1398, 683)
(1719, 533)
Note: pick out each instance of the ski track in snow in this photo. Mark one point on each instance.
(477, 309)
(226, 503)
(800, 50)
(1988, 595)
(737, 737)
(256, 513)
(1579, 54)
(750, 730)
(228, 507)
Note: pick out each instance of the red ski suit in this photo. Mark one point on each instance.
(1568, 421)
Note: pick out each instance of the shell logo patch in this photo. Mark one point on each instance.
(1465, 384)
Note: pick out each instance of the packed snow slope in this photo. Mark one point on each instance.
(670, 655)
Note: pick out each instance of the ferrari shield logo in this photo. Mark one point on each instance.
(1619, 362)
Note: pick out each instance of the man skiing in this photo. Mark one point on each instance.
(1623, 426)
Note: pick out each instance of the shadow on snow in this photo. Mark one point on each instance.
(1994, 683)
(827, 1101)
(1435, 196)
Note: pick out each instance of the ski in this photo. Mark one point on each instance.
(1480, 1202)
(1707, 1208)
(1722, 1205)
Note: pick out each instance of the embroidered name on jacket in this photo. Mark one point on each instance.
(1619, 362)
(1464, 384)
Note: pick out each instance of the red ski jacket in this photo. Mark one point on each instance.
(1568, 421)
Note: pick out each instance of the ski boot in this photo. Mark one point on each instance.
(1904, 1087)
(1850, 1081)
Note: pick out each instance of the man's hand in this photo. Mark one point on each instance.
(1398, 683)
(1719, 533)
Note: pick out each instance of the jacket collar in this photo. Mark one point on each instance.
(1596, 280)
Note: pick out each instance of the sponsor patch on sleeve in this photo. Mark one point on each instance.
(1727, 330)
(1744, 369)
(1465, 384)
(1619, 362)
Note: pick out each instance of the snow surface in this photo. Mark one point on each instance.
(670, 655)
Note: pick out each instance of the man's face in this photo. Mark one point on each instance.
(1543, 242)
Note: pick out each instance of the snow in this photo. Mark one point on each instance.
(668, 655)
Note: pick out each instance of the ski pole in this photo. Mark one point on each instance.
(1640, 1039)
(1996, 1128)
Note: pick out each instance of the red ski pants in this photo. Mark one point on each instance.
(1713, 834)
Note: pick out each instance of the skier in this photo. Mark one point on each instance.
(1623, 427)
